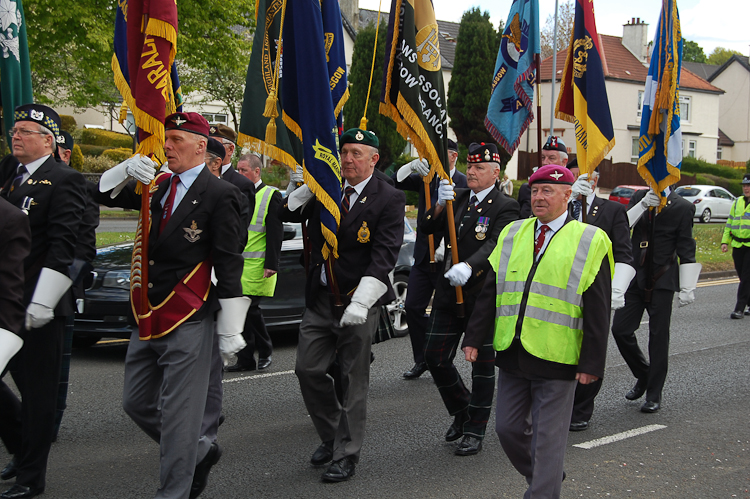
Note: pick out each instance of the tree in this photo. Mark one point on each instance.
(692, 52)
(565, 20)
(392, 143)
(469, 91)
(720, 55)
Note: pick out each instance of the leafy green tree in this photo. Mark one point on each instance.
(720, 55)
(469, 91)
(391, 142)
(692, 52)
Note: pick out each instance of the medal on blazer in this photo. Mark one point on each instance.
(27, 204)
(363, 234)
(483, 224)
(192, 233)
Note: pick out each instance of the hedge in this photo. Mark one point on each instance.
(98, 137)
(76, 158)
(119, 155)
(67, 123)
(693, 165)
(89, 150)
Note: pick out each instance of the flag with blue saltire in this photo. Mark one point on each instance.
(15, 73)
(510, 109)
(660, 142)
(309, 106)
(583, 95)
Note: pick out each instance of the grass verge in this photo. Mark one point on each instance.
(107, 238)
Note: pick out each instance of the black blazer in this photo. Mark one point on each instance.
(673, 236)
(247, 188)
(501, 210)
(524, 200)
(56, 194)
(612, 218)
(381, 208)
(86, 245)
(414, 183)
(274, 230)
(15, 243)
(211, 206)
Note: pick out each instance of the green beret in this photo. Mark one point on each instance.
(358, 136)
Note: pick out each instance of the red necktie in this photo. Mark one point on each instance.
(345, 202)
(167, 213)
(540, 239)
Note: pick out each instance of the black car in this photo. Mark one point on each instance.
(107, 297)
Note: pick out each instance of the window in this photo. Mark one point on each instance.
(691, 148)
(718, 153)
(215, 119)
(685, 108)
(640, 104)
(634, 150)
(129, 123)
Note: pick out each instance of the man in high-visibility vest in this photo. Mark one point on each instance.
(737, 234)
(264, 236)
(547, 299)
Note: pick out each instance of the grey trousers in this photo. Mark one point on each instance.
(166, 381)
(321, 340)
(532, 420)
(210, 424)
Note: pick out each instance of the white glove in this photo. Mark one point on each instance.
(420, 166)
(10, 344)
(651, 199)
(296, 176)
(299, 198)
(230, 321)
(445, 192)
(624, 273)
(139, 167)
(440, 251)
(50, 287)
(581, 187)
(366, 295)
(459, 274)
(689, 273)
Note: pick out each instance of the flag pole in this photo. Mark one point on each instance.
(454, 256)
(554, 74)
(538, 61)
(430, 238)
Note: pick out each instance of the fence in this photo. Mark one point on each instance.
(740, 165)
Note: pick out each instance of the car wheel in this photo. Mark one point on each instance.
(85, 341)
(706, 216)
(397, 308)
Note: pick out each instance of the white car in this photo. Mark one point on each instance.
(710, 201)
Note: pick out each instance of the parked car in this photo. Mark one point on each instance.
(710, 201)
(106, 304)
(623, 193)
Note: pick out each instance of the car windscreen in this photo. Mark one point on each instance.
(688, 191)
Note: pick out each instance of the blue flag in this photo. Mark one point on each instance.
(335, 57)
(660, 142)
(510, 110)
(309, 109)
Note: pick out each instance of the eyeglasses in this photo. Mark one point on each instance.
(24, 132)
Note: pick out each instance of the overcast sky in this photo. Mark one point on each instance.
(700, 20)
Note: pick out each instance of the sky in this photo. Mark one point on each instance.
(700, 20)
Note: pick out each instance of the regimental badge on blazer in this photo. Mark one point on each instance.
(483, 225)
(363, 234)
(192, 233)
(45, 182)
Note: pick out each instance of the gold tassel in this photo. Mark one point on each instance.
(271, 132)
(363, 123)
(271, 111)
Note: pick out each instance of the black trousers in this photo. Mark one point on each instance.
(741, 257)
(10, 419)
(421, 286)
(583, 401)
(626, 322)
(256, 336)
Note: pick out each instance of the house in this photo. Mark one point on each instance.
(734, 109)
(625, 62)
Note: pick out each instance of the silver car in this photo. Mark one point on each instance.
(710, 201)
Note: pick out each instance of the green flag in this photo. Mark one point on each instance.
(15, 74)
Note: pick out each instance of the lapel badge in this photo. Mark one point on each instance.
(483, 225)
(30, 182)
(192, 233)
(363, 234)
(479, 210)
(45, 182)
(363, 200)
(26, 205)
(194, 201)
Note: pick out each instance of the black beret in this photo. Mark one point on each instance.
(555, 143)
(452, 146)
(42, 115)
(483, 153)
(359, 136)
(64, 140)
(216, 148)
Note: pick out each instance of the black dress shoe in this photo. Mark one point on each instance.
(747, 312)
(416, 371)
(10, 470)
(579, 425)
(236, 368)
(200, 477)
(340, 471)
(469, 446)
(20, 491)
(264, 363)
(650, 407)
(737, 314)
(323, 454)
(637, 391)
(456, 429)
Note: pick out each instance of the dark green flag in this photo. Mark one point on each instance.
(15, 74)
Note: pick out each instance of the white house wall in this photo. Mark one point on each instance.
(734, 110)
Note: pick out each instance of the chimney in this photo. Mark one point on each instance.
(635, 38)
(350, 9)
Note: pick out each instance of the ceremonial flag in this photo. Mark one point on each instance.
(15, 75)
(260, 83)
(310, 108)
(660, 143)
(333, 31)
(583, 96)
(413, 94)
(510, 109)
(145, 45)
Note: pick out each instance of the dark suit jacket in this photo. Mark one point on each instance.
(15, 243)
(86, 245)
(213, 206)
(58, 196)
(596, 312)
(247, 188)
(673, 236)
(381, 207)
(524, 200)
(274, 230)
(612, 218)
(501, 210)
(415, 183)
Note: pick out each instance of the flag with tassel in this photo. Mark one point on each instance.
(15, 72)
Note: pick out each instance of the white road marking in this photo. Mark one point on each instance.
(620, 436)
(257, 376)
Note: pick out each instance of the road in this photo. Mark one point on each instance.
(697, 446)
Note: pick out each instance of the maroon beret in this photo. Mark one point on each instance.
(552, 174)
(187, 122)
